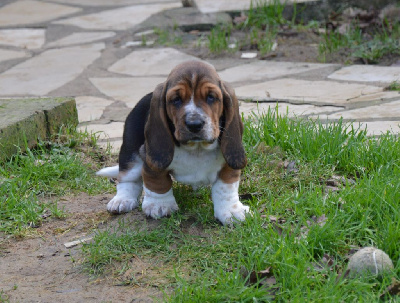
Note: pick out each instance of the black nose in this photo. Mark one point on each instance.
(194, 125)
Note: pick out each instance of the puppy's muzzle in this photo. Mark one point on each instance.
(194, 124)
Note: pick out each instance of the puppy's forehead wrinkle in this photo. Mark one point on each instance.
(193, 74)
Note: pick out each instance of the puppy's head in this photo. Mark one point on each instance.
(193, 105)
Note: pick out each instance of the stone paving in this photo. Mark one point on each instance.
(92, 50)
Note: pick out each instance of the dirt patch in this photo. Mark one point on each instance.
(42, 269)
(301, 46)
(291, 46)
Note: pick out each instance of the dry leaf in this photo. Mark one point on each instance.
(273, 219)
(262, 277)
(290, 167)
(321, 220)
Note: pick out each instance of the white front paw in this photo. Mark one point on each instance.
(121, 204)
(158, 205)
(126, 198)
(231, 213)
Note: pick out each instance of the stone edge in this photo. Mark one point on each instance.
(40, 125)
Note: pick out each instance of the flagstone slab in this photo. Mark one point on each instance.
(377, 128)
(128, 90)
(91, 108)
(367, 73)
(117, 112)
(210, 6)
(120, 18)
(10, 54)
(187, 19)
(382, 96)
(80, 38)
(105, 131)
(48, 71)
(150, 62)
(31, 12)
(320, 92)
(108, 2)
(262, 70)
(292, 110)
(382, 111)
(28, 38)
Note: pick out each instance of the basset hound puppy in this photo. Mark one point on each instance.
(188, 129)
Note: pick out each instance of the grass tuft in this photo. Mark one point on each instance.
(219, 38)
(384, 41)
(394, 86)
(52, 169)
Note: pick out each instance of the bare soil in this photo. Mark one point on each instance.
(39, 268)
(292, 46)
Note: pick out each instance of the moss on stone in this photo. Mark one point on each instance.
(24, 121)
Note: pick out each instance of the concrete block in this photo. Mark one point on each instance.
(25, 121)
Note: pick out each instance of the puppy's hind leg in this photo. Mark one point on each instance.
(129, 189)
(130, 184)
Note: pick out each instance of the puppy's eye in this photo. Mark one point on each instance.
(176, 101)
(211, 99)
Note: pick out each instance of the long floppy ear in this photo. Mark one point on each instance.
(231, 138)
(159, 144)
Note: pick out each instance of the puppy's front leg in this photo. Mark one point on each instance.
(225, 196)
(159, 200)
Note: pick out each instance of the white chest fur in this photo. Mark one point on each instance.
(196, 166)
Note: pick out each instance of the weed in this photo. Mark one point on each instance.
(333, 41)
(372, 51)
(144, 40)
(395, 85)
(267, 41)
(262, 40)
(219, 38)
(168, 37)
(3, 297)
(264, 13)
(360, 46)
(55, 211)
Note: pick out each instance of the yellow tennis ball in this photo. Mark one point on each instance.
(369, 261)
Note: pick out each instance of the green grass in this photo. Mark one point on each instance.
(265, 13)
(51, 170)
(394, 86)
(219, 38)
(167, 37)
(200, 261)
(263, 40)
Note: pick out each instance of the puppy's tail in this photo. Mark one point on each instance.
(110, 172)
